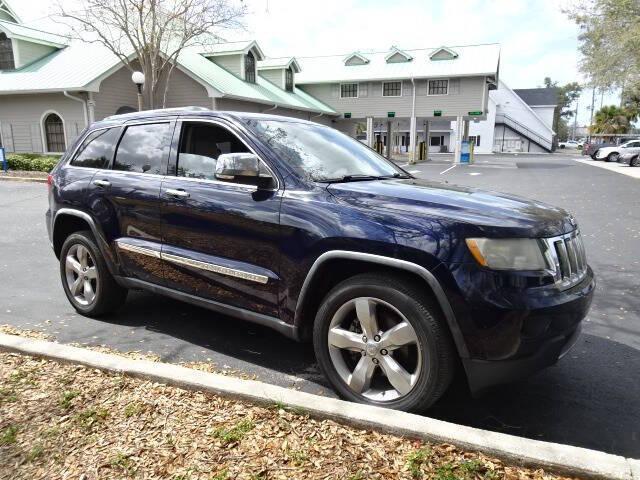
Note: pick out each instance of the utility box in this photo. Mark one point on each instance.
(465, 152)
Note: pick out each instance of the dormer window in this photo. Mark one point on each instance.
(443, 53)
(397, 56)
(250, 67)
(355, 59)
(6, 53)
(288, 82)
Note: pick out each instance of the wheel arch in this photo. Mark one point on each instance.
(314, 289)
(70, 220)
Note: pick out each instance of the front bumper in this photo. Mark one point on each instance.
(482, 374)
(511, 330)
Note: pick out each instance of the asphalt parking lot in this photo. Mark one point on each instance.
(591, 398)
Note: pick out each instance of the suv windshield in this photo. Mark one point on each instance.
(321, 153)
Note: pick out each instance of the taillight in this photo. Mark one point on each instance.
(50, 181)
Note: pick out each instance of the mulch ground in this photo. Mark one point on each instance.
(60, 421)
(23, 174)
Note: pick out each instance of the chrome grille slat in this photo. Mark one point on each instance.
(567, 258)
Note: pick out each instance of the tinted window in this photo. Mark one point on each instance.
(320, 153)
(97, 149)
(143, 148)
(200, 146)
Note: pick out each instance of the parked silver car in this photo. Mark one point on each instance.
(630, 158)
(612, 153)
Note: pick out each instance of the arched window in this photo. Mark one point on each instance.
(6, 53)
(54, 133)
(125, 109)
(250, 68)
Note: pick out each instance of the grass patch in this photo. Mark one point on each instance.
(123, 462)
(134, 409)
(222, 475)
(415, 461)
(7, 395)
(446, 472)
(67, 398)
(298, 457)
(235, 433)
(92, 417)
(35, 453)
(9, 435)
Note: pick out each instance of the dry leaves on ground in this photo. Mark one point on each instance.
(69, 421)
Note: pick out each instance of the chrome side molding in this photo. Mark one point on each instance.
(210, 267)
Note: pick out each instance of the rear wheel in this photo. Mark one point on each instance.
(635, 161)
(382, 341)
(613, 157)
(86, 280)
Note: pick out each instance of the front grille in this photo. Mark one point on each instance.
(567, 256)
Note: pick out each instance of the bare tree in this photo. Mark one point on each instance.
(149, 35)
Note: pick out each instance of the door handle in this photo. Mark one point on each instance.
(172, 192)
(102, 183)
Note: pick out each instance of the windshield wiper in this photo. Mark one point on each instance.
(361, 177)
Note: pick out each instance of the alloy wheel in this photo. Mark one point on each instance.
(374, 349)
(82, 274)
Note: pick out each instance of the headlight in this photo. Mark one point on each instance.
(508, 253)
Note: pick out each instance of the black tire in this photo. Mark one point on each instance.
(438, 357)
(635, 161)
(108, 295)
(593, 155)
(612, 157)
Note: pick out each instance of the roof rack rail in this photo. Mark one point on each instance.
(158, 111)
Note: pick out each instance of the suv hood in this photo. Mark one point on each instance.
(492, 213)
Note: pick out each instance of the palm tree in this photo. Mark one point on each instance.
(611, 120)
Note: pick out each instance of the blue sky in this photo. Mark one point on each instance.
(536, 38)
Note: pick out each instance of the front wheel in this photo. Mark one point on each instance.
(635, 161)
(382, 341)
(86, 280)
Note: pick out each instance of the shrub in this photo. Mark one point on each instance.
(31, 162)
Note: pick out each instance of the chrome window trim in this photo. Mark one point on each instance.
(180, 260)
(251, 149)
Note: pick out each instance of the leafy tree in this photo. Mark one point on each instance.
(149, 35)
(567, 95)
(612, 120)
(609, 41)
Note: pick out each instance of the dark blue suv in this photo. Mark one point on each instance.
(398, 281)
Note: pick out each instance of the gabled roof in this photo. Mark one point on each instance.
(279, 63)
(232, 48)
(22, 32)
(473, 60)
(537, 97)
(451, 54)
(357, 55)
(5, 7)
(396, 51)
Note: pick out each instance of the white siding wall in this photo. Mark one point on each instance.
(465, 94)
(232, 63)
(28, 52)
(20, 119)
(546, 114)
(275, 76)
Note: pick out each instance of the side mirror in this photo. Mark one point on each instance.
(242, 167)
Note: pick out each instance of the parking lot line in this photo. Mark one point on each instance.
(445, 171)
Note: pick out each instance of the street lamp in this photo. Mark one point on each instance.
(138, 79)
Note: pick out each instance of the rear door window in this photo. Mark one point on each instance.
(97, 149)
(144, 148)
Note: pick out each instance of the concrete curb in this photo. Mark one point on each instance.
(562, 459)
(23, 179)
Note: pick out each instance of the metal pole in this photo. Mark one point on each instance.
(140, 102)
(389, 139)
(593, 102)
(575, 119)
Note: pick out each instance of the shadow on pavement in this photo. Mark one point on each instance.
(587, 399)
